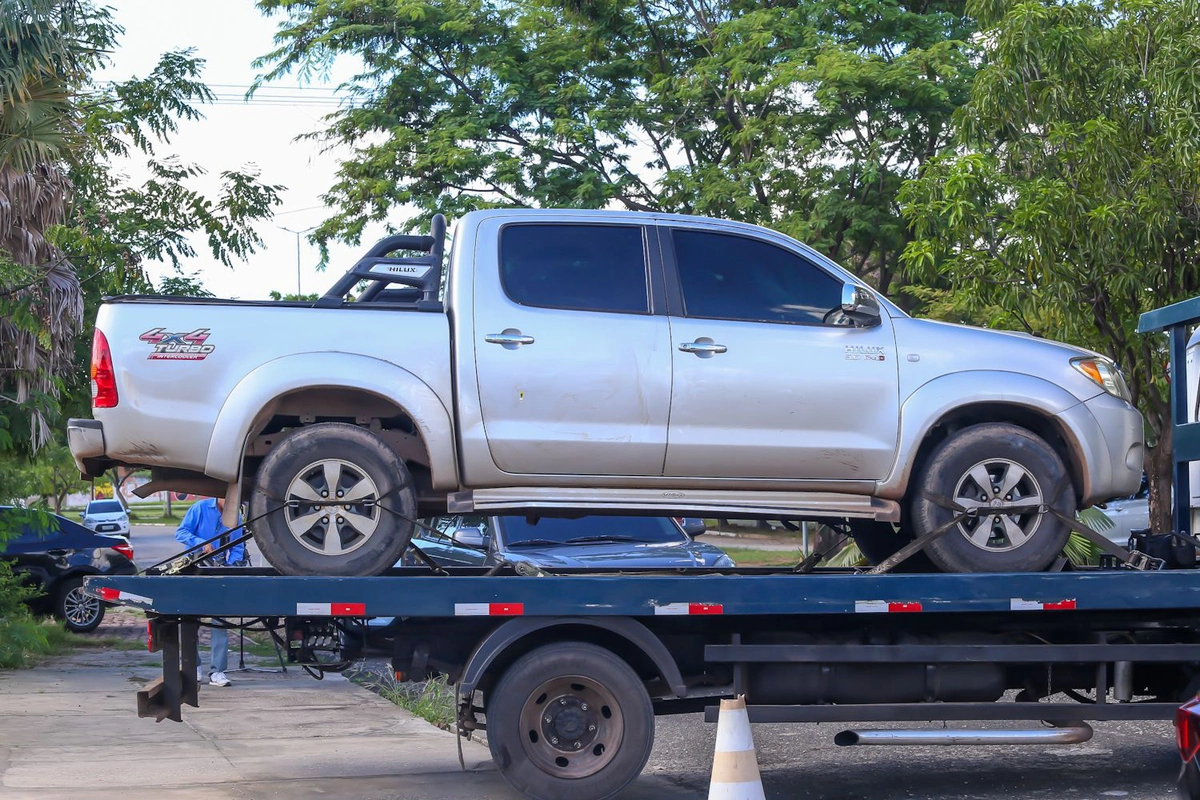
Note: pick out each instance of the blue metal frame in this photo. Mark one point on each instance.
(422, 595)
(1177, 320)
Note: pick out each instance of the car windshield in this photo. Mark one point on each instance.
(104, 507)
(659, 530)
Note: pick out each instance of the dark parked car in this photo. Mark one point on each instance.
(56, 554)
(1187, 735)
(551, 542)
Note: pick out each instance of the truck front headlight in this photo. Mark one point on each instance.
(1104, 374)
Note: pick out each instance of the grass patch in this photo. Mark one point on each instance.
(751, 557)
(432, 701)
(106, 642)
(150, 519)
(25, 640)
(146, 513)
(258, 644)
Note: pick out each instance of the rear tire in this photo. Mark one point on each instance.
(79, 612)
(318, 464)
(570, 720)
(987, 464)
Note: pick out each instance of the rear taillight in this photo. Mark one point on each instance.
(125, 550)
(1187, 729)
(104, 381)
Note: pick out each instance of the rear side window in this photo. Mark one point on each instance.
(733, 277)
(585, 267)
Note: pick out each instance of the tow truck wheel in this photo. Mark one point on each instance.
(990, 466)
(570, 720)
(337, 501)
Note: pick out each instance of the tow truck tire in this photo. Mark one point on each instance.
(319, 464)
(570, 720)
(986, 464)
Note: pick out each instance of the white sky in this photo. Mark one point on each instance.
(229, 35)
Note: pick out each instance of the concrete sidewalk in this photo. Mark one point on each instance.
(68, 729)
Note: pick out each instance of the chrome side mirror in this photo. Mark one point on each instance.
(860, 305)
(469, 537)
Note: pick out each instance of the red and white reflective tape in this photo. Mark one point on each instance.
(885, 607)
(489, 609)
(687, 609)
(1018, 604)
(331, 609)
(114, 596)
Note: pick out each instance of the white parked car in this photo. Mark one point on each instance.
(1128, 514)
(106, 516)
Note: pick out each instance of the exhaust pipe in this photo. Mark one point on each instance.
(1075, 734)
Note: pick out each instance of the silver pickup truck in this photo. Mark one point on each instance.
(607, 362)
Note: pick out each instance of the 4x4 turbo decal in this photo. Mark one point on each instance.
(178, 346)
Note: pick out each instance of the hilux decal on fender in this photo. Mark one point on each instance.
(865, 352)
(178, 346)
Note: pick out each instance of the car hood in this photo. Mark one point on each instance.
(109, 516)
(619, 554)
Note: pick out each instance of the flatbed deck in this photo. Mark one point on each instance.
(413, 592)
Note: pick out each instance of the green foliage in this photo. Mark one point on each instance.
(431, 700)
(50, 474)
(804, 116)
(1069, 206)
(24, 640)
(20, 635)
(293, 297)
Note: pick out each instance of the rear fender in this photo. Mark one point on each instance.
(248, 405)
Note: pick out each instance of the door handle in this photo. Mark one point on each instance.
(702, 348)
(508, 338)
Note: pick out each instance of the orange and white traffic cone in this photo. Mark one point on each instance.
(735, 766)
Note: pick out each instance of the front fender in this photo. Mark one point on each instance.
(282, 376)
(940, 397)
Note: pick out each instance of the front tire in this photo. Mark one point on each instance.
(990, 465)
(305, 531)
(570, 720)
(79, 612)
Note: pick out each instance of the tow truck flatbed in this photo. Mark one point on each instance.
(413, 592)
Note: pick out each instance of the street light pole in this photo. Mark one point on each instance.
(306, 230)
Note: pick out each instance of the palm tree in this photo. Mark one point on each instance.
(44, 58)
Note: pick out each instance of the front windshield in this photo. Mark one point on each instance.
(657, 530)
(104, 507)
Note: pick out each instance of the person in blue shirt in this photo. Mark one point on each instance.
(201, 523)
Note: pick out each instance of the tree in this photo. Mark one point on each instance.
(57, 475)
(293, 297)
(71, 226)
(1070, 204)
(804, 116)
(40, 302)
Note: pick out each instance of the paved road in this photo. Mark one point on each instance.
(1132, 760)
